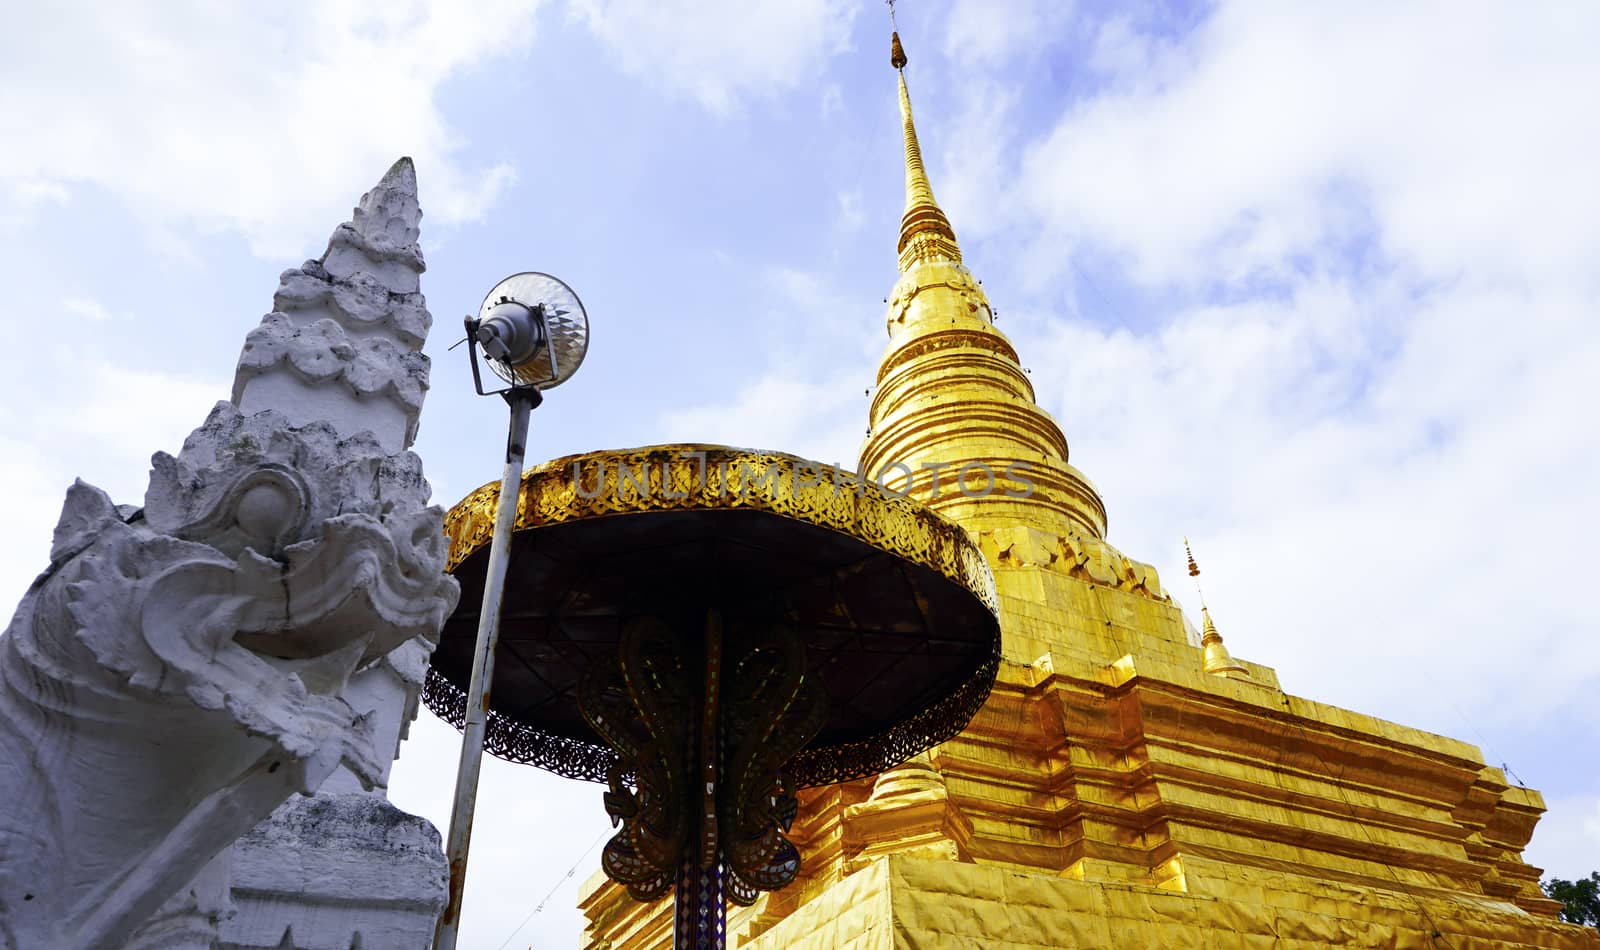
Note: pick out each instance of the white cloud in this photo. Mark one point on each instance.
(1368, 510)
(850, 215)
(130, 414)
(987, 32)
(263, 119)
(976, 149)
(817, 323)
(1458, 132)
(19, 197)
(1566, 843)
(1125, 46)
(33, 500)
(832, 102)
(105, 432)
(88, 308)
(816, 418)
(1373, 225)
(810, 398)
(720, 52)
(28, 192)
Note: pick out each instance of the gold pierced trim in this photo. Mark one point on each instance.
(687, 477)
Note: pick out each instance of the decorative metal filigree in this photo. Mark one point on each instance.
(645, 707)
(827, 765)
(705, 744)
(513, 741)
(771, 710)
(709, 477)
(824, 765)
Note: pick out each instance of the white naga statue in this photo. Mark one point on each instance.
(180, 670)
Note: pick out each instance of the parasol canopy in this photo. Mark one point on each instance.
(894, 604)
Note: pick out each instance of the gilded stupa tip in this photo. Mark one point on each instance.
(1218, 661)
(952, 391)
(925, 232)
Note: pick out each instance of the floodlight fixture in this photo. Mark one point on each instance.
(533, 331)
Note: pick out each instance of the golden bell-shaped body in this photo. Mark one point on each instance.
(1218, 662)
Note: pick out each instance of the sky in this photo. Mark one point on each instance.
(1314, 287)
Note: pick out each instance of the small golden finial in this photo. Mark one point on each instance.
(1194, 571)
(1217, 660)
(925, 232)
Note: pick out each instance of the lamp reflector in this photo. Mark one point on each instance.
(533, 330)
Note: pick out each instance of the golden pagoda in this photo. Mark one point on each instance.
(1129, 783)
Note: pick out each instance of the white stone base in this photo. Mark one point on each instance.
(337, 872)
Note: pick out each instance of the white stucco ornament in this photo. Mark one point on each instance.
(182, 669)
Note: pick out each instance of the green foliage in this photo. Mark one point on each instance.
(1580, 898)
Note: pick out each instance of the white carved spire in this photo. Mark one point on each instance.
(344, 341)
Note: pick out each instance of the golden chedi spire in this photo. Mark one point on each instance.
(925, 232)
(954, 418)
(1216, 659)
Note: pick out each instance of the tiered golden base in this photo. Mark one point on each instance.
(1141, 802)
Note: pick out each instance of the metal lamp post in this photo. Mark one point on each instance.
(534, 333)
